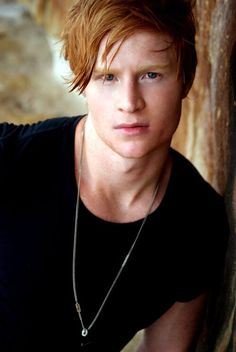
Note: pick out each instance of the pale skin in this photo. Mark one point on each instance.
(133, 112)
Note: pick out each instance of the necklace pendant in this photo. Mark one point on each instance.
(84, 332)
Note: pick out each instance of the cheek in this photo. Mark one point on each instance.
(95, 105)
(168, 112)
(97, 101)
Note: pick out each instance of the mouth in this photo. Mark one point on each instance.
(131, 125)
(132, 128)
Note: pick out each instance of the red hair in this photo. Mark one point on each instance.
(89, 21)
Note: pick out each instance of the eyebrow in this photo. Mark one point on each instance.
(145, 68)
(154, 67)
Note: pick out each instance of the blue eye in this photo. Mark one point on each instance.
(109, 77)
(152, 75)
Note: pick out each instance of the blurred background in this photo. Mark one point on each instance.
(32, 71)
(32, 88)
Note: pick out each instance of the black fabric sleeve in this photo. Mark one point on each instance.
(15, 139)
(201, 267)
(201, 230)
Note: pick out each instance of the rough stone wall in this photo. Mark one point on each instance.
(29, 88)
(49, 13)
(208, 130)
(204, 128)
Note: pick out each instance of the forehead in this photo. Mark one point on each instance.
(144, 44)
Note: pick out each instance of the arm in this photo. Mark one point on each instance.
(177, 330)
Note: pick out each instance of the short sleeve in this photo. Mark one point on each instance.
(202, 249)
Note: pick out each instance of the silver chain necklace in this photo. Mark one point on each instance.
(85, 330)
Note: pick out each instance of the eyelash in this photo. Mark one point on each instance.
(105, 78)
(152, 73)
(149, 75)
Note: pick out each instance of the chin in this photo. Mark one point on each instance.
(135, 154)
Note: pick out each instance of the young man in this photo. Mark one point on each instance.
(106, 230)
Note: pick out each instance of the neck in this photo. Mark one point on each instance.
(116, 168)
(122, 186)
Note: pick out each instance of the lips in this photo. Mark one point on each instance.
(132, 128)
(131, 125)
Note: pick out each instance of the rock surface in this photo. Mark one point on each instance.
(30, 87)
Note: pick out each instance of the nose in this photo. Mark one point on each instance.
(130, 97)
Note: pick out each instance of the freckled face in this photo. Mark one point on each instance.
(135, 108)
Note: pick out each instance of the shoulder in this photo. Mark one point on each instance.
(12, 132)
(190, 184)
(196, 199)
(199, 208)
(28, 150)
(201, 221)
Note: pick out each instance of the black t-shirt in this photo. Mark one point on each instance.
(178, 256)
